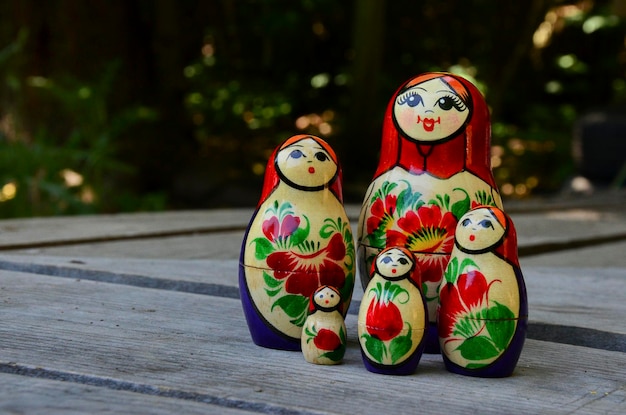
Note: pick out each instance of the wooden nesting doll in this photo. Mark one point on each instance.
(324, 333)
(393, 317)
(299, 239)
(435, 164)
(483, 310)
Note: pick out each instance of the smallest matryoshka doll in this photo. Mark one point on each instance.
(298, 239)
(393, 317)
(324, 332)
(483, 310)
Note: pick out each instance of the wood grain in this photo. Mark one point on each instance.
(143, 340)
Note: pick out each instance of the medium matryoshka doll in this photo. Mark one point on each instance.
(483, 309)
(298, 239)
(435, 164)
(392, 321)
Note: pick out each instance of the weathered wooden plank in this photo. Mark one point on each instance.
(21, 394)
(590, 298)
(218, 233)
(196, 344)
(609, 255)
(41, 232)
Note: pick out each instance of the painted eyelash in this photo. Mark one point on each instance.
(457, 102)
(405, 97)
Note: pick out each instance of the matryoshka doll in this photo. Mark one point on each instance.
(483, 309)
(298, 239)
(435, 164)
(324, 333)
(392, 317)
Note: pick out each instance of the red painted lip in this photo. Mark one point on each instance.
(311, 170)
(472, 237)
(393, 271)
(428, 123)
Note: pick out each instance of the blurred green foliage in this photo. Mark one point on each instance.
(164, 105)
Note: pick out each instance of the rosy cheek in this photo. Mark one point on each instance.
(450, 119)
(406, 117)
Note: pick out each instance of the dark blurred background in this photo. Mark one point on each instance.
(125, 105)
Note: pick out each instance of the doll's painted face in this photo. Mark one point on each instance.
(393, 263)
(478, 230)
(305, 163)
(430, 111)
(326, 298)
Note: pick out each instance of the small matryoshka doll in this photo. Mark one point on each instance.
(324, 332)
(483, 309)
(299, 239)
(435, 164)
(392, 317)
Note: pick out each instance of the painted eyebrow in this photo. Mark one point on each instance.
(448, 91)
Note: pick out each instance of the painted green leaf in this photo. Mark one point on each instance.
(478, 348)
(293, 305)
(443, 201)
(262, 248)
(400, 346)
(272, 293)
(502, 329)
(300, 234)
(270, 281)
(407, 199)
(452, 270)
(476, 365)
(337, 354)
(330, 227)
(375, 347)
(484, 198)
(461, 207)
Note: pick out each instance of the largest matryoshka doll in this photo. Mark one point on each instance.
(435, 164)
(299, 239)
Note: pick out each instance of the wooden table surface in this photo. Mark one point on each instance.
(139, 313)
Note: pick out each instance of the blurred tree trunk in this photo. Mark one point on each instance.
(364, 119)
(514, 46)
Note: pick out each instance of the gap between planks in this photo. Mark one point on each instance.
(577, 336)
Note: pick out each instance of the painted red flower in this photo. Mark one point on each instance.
(327, 340)
(382, 212)
(460, 305)
(304, 273)
(429, 232)
(273, 230)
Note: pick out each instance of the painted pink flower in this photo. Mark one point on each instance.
(274, 230)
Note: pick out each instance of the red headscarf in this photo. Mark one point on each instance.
(440, 158)
(507, 249)
(271, 175)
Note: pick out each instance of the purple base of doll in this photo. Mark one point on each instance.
(501, 367)
(432, 340)
(262, 333)
(406, 368)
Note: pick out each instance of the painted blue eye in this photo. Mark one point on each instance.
(486, 223)
(386, 260)
(466, 222)
(296, 154)
(412, 99)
